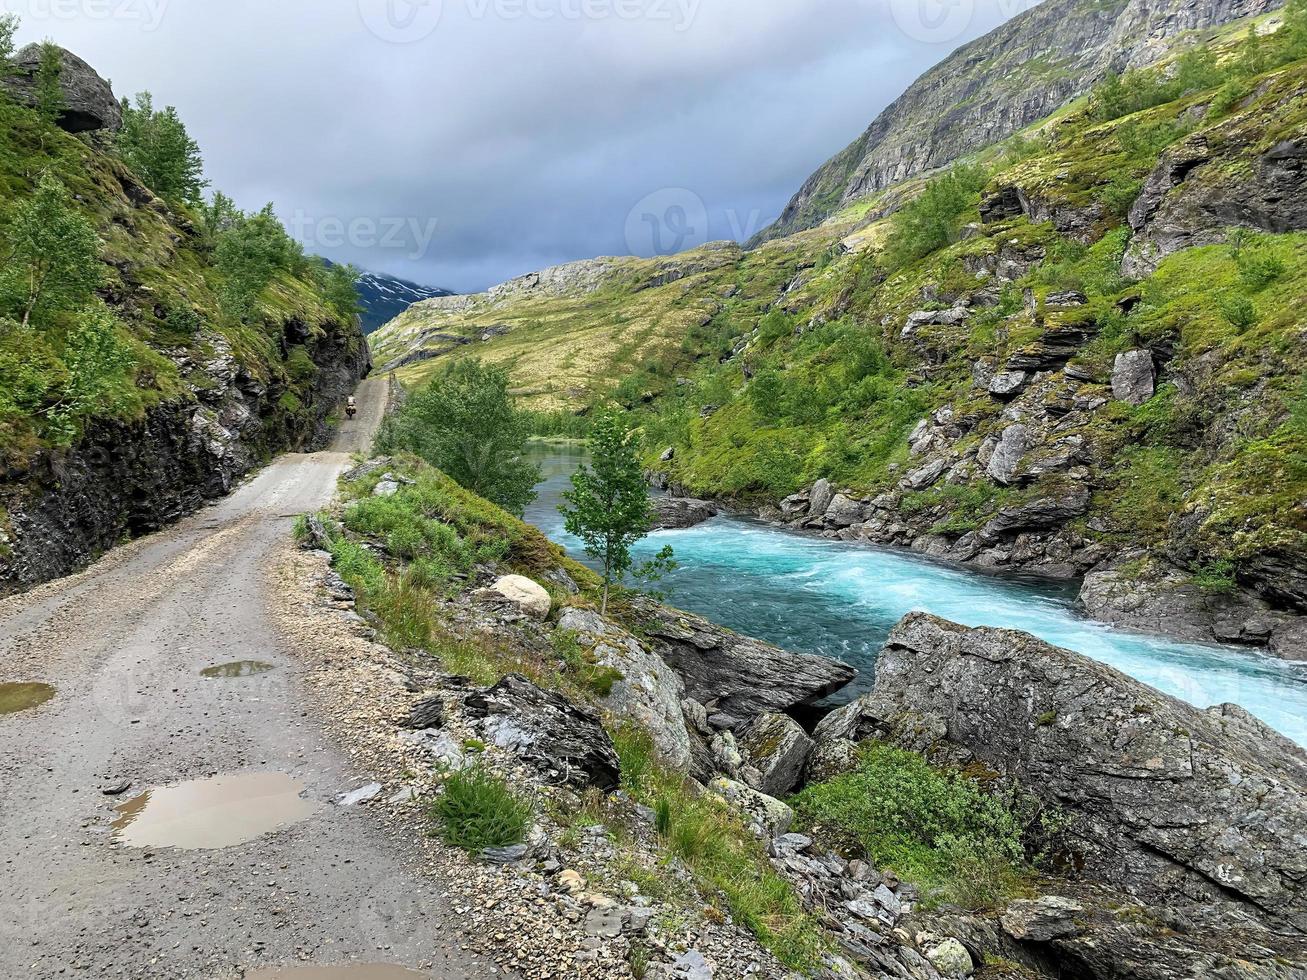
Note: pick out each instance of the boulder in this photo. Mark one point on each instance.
(1062, 503)
(733, 674)
(1134, 379)
(1008, 384)
(563, 742)
(1012, 447)
(1043, 919)
(522, 595)
(778, 748)
(925, 476)
(820, 497)
(1202, 813)
(950, 958)
(646, 691)
(844, 511)
(767, 815)
(678, 513)
(89, 102)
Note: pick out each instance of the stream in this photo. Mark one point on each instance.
(841, 599)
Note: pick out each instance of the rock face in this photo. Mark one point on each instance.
(1194, 196)
(1203, 813)
(131, 478)
(564, 743)
(647, 692)
(89, 101)
(993, 87)
(738, 675)
(678, 513)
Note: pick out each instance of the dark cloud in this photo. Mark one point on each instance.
(505, 135)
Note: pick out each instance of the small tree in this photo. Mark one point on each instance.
(156, 145)
(466, 423)
(340, 287)
(49, 83)
(48, 259)
(248, 254)
(608, 507)
(8, 27)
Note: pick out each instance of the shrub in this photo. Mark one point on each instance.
(156, 145)
(1238, 311)
(936, 828)
(1216, 577)
(932, 219)
(478, 810)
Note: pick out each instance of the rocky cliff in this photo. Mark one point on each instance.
(1199, 815)
(996, 86)
(187, 397)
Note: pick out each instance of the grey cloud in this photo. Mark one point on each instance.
(516, 133)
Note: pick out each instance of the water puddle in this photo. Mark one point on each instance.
(22, 696)
(227, 809)
(241, 668)
(359, 971)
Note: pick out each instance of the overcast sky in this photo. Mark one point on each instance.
(462, 142)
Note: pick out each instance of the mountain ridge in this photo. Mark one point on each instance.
(995, 86)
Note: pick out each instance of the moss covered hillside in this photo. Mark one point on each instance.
(153, 344)
(1082, 348)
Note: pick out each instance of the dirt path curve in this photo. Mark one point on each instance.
(124, 644)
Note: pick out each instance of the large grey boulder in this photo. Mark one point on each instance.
(646, 690)
(678, 513)
(89, 101)
(1134, 379)
(738, 675)
(564, 743)
(844, 511)
(777, 747)
(1200, 812)
(1012, 447)
(820, 497)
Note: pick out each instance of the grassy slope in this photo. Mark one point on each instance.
(822, 322)
(155, 268)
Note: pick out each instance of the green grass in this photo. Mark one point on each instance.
(724, 859)
(477, 810)
(959, 841)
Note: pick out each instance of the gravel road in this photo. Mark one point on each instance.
(124, 644)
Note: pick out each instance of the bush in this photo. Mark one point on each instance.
(478, 810)
(932, 219)
(936, 828)
(1238, 311)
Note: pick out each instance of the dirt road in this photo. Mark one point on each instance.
(124, 645)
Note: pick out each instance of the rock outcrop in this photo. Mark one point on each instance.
(89, 103)
(994, 86)
(1200, 813)
(564, 743)
(736, 675)
(678, 513)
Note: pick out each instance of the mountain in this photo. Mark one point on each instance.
(1080, 356)
(996, 86)
(385, 297)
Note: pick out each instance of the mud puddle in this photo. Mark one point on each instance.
(223, 810)
(241, 668)
(359, 971)
(22, 696)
